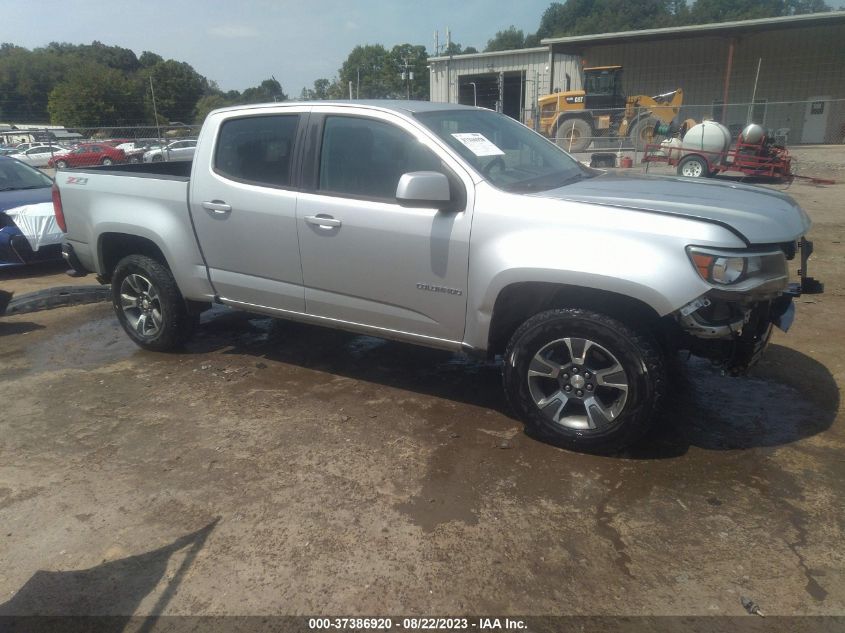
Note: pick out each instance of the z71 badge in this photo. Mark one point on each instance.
(76, 180)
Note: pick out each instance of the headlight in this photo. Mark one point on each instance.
(724, 268)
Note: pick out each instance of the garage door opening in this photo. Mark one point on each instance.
(488, 89)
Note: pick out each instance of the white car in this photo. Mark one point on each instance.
(177, 150)
(38, 156)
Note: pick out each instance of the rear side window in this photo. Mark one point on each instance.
(257, 149)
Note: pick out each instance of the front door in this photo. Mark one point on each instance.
(365, 258)
(244, 210)
(815, 120)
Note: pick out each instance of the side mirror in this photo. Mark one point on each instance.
(423, 189)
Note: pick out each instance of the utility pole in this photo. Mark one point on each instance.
(155, 114)
(407, 76)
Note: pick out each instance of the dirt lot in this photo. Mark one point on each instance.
(276, 468)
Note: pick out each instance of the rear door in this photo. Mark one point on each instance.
(243, 203)
(365, 258)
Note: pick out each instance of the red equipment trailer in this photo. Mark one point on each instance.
(760, 160)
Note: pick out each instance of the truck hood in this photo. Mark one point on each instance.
(21, 197)
(757, 214)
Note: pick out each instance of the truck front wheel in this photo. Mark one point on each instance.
(149, 305)
(574, 135)
(583, 380)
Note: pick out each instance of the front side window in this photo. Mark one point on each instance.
(366, 158)
(256, 149)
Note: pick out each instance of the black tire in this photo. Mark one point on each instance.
(612, 343)
(60, 164)
(642, 133)
(175, 324)
(156, 159)
(574, 135)
(693, 167)
(108, 161)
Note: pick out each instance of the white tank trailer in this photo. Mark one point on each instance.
(708, 136)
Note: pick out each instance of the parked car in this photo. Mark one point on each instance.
(454, 228)
(21, 185)
(177, 150)
(88, 154)
(39, 156)
(135, 150)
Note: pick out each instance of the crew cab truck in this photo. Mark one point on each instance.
(451, 227)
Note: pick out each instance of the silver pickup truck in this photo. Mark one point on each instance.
(450, 227)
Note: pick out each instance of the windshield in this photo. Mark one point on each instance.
(16, 175)
(506, 153)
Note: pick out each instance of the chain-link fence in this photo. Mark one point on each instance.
(602, 136)
(56, 147)
(630, 129)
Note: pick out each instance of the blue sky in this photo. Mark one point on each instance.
(238, 43)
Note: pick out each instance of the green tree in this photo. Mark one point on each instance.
(414, 60)
(509, 39)
(370, 69)
(177, 87)
(267, 91)
(321, 90)
(456, 49)
(96, 95)
(376, 73)
(583, 17)
(704, 11)
(210, 102)
(148, 59)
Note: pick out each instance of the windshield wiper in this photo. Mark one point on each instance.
(544, 183)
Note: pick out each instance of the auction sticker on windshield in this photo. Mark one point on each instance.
(478, 144)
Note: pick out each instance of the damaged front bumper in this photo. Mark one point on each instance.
(733, 329)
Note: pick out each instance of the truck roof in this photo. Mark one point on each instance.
(382, 104)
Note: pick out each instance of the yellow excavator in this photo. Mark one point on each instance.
(574, 118)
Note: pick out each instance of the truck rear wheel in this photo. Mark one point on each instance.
(574, 135)
(583, 380)
(149, 305)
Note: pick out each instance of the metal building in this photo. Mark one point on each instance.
(800, 87)
(508, 81)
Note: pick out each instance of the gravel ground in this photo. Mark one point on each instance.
(275, 468)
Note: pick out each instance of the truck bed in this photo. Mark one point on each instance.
(176, 170)
(105, 204)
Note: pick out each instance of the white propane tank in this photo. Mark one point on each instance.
(708, 136)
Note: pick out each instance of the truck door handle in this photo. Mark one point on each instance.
(217, 206)
(323, 221)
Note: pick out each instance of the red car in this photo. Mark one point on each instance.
(88, 154)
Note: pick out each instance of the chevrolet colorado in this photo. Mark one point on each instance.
(451, 227)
